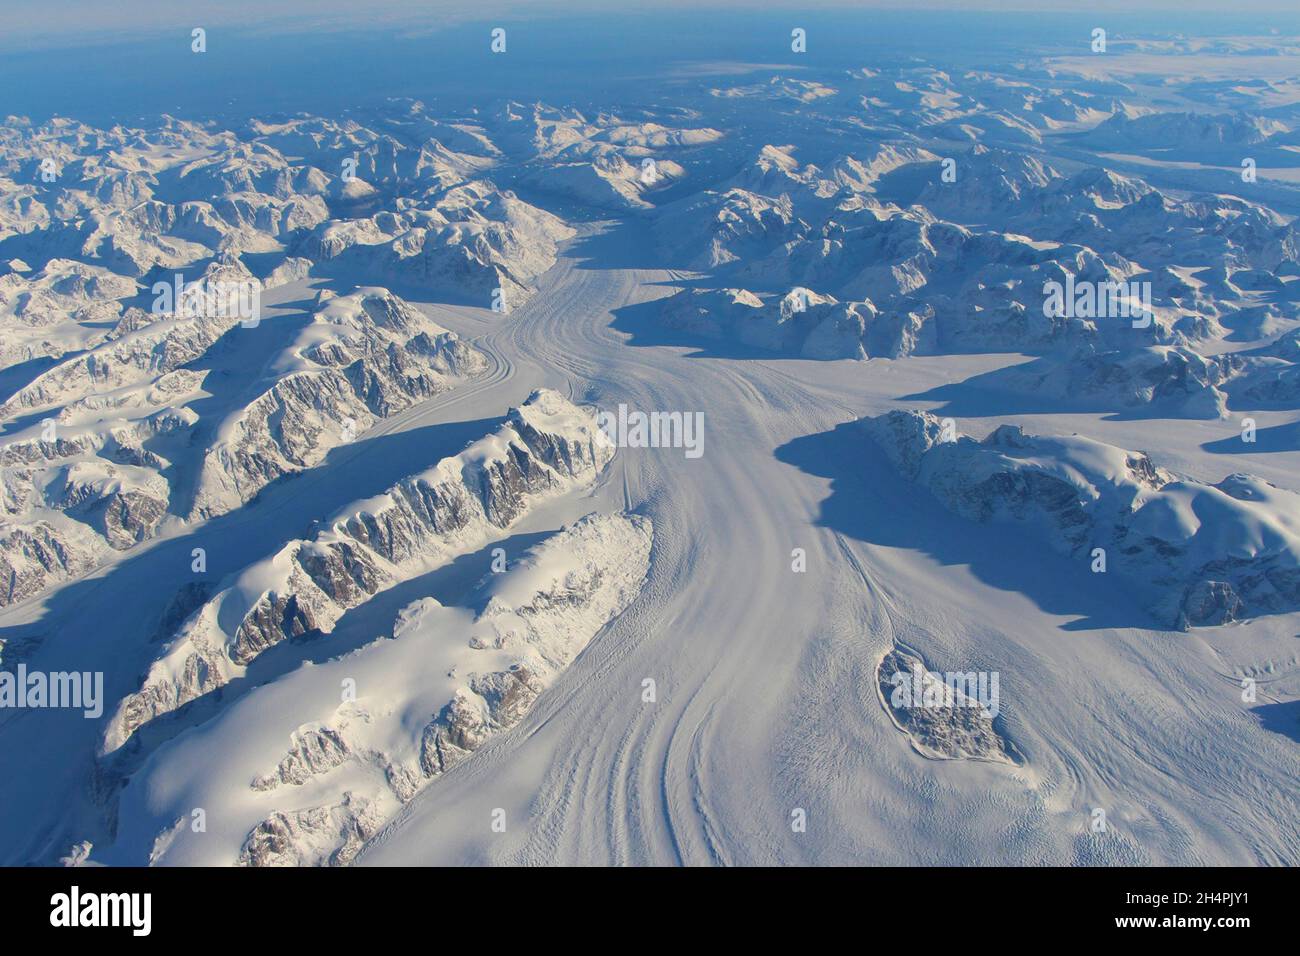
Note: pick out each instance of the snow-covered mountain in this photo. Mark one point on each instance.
(1196, 553)
(301, 452)
(546, 447)
(364, 356)
(93, 463)
(303, 770)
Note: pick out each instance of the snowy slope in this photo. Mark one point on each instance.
(239, 524)
(301, 772)
(546, 447)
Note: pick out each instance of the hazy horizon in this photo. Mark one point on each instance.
(268, 64)
(71, 22)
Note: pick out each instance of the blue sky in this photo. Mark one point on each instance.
(101, 61)
(72, 21)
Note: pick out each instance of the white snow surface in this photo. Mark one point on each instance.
(229, 522)
(402, 682)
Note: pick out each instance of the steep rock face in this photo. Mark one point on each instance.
(160, 344)
(127, 213)
(32, 557)
(189, 597)
(329, 835)
(546, 447)
(365, 356)
(491, 702)
(1196, 554)
(124, 503)
(542, 627)
(290, 775)
(71, 499)
(536, 621)
(313, 752)
(1266, 376)
(943, 717)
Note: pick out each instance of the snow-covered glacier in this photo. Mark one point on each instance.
(986, 527)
